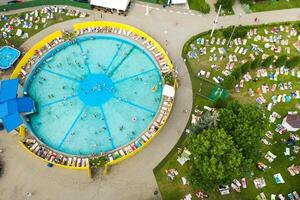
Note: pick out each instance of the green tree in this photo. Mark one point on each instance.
(256, 63)
(245, 67)
(294, 62)
(237, 72)
(246, 1)
(215, 159)
(226, 4)
(240, 32)
(281, 61)
(229, 82)
(220, 103)
(246, 124)
(229, 124)
(268, 61)
(208, 120)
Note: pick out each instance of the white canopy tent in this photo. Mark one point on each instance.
(168, 91)
(112, 4)
(177, 1)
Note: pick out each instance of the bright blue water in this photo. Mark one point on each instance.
(94, 95)
(8, 56)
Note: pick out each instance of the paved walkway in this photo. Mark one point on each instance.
(133, 178)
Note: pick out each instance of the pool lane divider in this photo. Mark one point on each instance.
(133, 104)
(58, 101)
(61, 75)
(86, 58)
(120, 63)
(114, 57)
(70, 129)
(107, 127)
(133, 76)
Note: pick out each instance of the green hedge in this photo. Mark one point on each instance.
(268, 61)
(35, 3)
(229, 82)
(245, 67)
(237, 72)
(199, 5)
(281, 61)
(240, 32)
(256, 63)
(294, 62)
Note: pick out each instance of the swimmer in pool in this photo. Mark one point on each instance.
(134, 118)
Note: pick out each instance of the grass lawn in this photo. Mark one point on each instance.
(18, 41)
(175, 189)
(274, 5)
(199, 5)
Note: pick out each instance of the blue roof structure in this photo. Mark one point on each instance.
(11, 106)
(8, 55)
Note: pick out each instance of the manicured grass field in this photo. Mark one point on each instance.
(274, 5)
(176, 190)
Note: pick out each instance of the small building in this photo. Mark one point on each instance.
(291, 122)
(119, 6)
(12, 107)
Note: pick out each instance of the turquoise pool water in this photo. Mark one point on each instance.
(94, 95)
(8, 56)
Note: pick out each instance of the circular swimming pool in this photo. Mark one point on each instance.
(94, 95)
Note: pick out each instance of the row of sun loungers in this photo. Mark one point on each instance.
(163, 64)
(53, 157)
(38, 54)
(158, 123)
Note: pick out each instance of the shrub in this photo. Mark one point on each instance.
(294, 62)
(237, 73)
(297, 26)
(281, 61)
(229, 82)
(256, 63)
(199, 5)
(220, 103)
(240, 32)
(98, 162)
(169, 79)
(226, 4)
(246, 1)
(268, 61)
(245, 67)
(204, 8)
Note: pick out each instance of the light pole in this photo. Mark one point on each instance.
(147, 10)
(231, 36)
(215, 21)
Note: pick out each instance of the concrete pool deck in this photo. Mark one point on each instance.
(133, 178)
